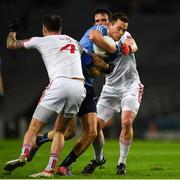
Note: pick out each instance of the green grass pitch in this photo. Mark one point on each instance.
(146, 160)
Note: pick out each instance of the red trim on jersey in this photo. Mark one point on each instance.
(140, 92)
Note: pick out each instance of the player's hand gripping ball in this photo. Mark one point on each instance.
(125, 49)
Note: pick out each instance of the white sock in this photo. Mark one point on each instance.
(98, 149)
(25, 150)
(124, 149)
(52, 162)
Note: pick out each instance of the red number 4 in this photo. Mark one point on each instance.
(70, 47)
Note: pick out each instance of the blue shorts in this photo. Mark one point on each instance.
(89, 103)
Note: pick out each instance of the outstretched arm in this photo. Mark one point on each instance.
(12, 42)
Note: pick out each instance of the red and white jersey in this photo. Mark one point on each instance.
(61, 55)
(125, 74)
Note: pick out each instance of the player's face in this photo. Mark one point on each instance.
(117, 29)
(101, 19)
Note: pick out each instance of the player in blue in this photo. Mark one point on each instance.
(87, 112)
(93, 35)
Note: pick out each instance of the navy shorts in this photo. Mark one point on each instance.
(89, 103)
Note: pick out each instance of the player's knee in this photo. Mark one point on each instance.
(126, 124)
(91, 135)
(35, 126)
(33, 129)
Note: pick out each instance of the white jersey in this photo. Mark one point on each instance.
(61, 55)
(125, 73)
(123, 89)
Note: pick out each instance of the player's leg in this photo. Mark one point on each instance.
(29, 138)
(87, 114)
(99, 159)
(58, 141)
(89, 123)
(104, 113)
(41, 115)
(68, 106)
(107, 105)
(43, 138)
(56, 146)
(130, 108)
(125, 139)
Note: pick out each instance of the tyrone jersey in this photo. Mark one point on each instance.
(61, 55)
(124, 74)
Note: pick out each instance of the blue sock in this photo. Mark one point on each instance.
(69, 159)
(42, 139)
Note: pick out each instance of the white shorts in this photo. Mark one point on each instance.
(61, 95)
(112, 100)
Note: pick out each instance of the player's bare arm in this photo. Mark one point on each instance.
(99, 63)
(12, 42)
(100, 66)
(98, 39)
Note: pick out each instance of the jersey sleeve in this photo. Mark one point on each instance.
(31, 43)
(102, 29)
(125, 36)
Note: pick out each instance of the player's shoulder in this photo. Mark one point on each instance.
(98, 27)
(126, 34)
(32, 40)
(69, 38)
(36, 39)
(101, 27)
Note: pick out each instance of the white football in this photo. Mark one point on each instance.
(102, 52)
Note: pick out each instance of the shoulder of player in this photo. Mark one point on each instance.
(69, 38)
(32, 40)
(126, 34)
(101, 27)
(97, 27)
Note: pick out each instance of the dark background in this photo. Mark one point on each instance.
(154, 24)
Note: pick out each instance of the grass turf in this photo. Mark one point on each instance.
(146, 160)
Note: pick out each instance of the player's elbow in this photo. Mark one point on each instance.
(134, 48)
(92, 36)
(95, 35)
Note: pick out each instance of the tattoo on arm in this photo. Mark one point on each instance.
(13, 43)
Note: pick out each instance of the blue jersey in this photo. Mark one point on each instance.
(86, 59)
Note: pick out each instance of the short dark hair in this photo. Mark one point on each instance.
(119, 15)
(52, 22)
(102, 11)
